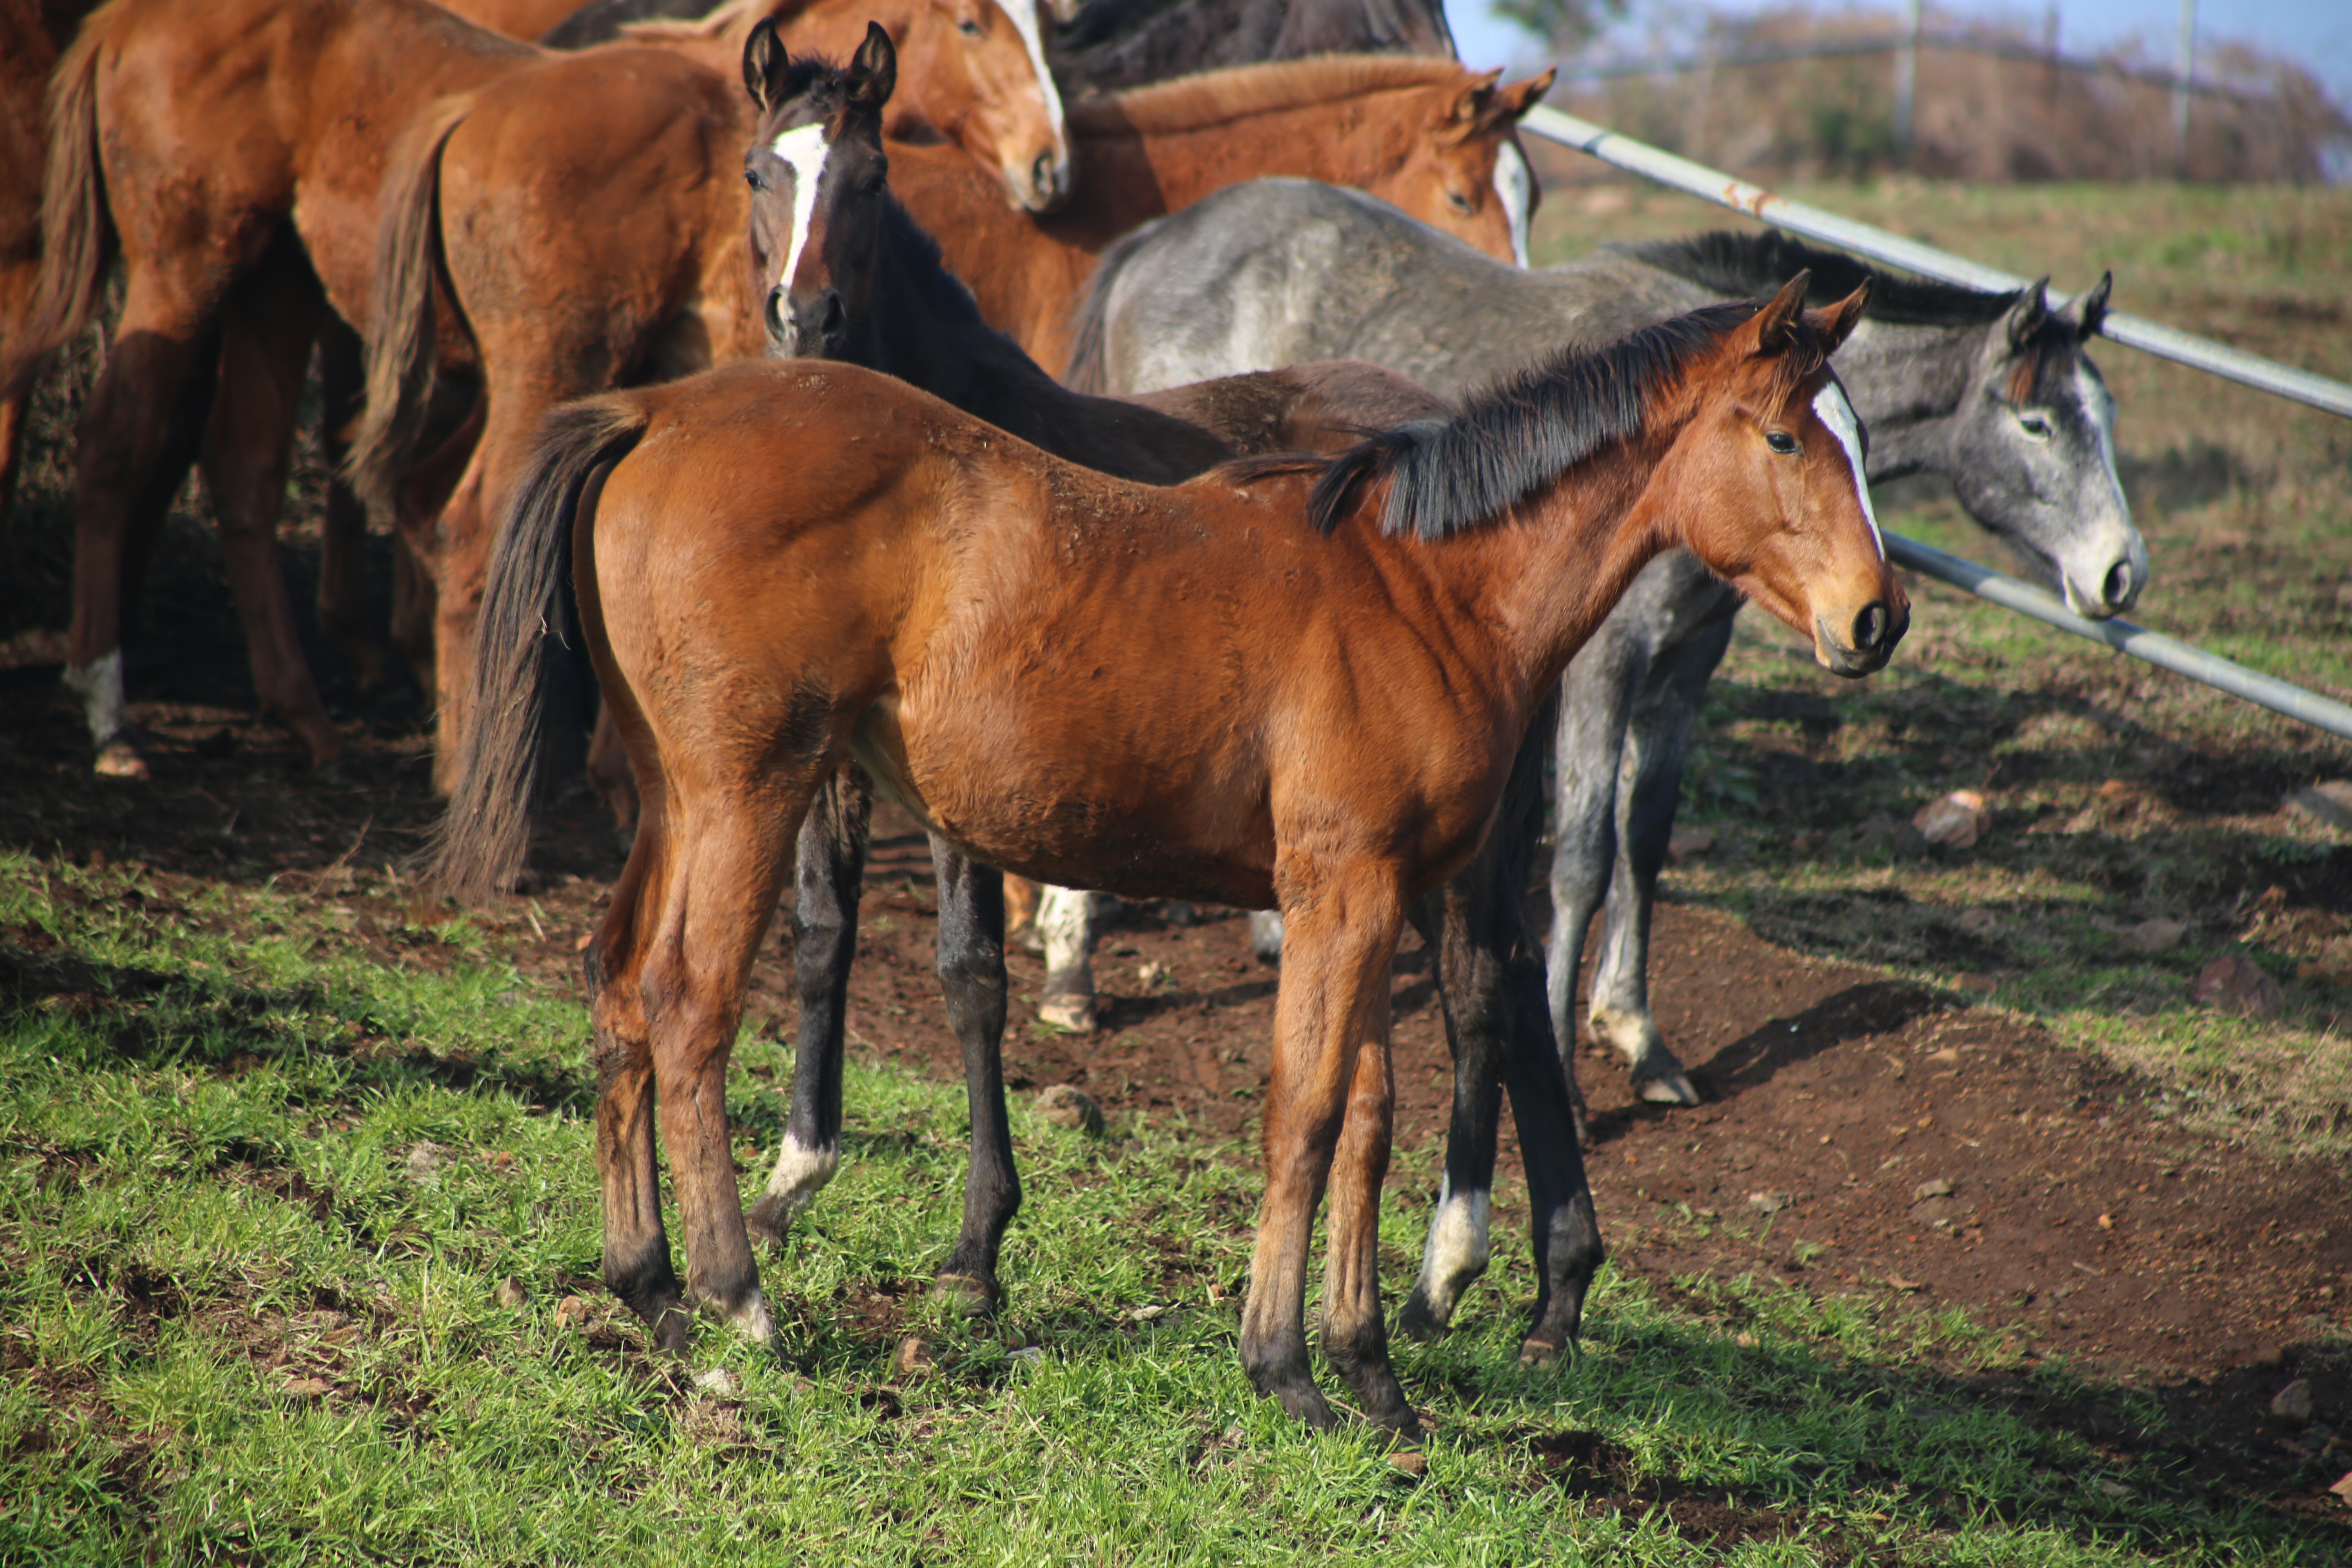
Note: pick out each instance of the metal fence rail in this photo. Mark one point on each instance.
(1867, 239)
(2166, 653)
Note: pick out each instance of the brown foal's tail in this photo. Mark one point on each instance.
(77, 231)
(529, 635)
(401, 341)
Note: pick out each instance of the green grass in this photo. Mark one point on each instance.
(258, 1200)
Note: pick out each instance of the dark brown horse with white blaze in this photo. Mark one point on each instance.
(1293, 681)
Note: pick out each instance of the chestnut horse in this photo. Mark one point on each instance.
(26, 53)
(287, 112)
(859, 281)
(1291, 681)
(489, 216)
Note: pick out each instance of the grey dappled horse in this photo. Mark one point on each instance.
(1990, 391)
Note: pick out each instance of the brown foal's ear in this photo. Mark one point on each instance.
(1473, 102)
(1773, 328)
(1838, 321)
(1515, 100)
(873, 69)
(765, 64)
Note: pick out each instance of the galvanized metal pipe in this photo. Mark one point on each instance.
(2166, 653)
(1866, 239)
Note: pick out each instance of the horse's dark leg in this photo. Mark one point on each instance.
(1497, 1019)
(271, 320)
(1596, 700)
(1656, 740)
(342, 539)
(972, 978)
(636, 1248)
(824, 939)
(1471, 990)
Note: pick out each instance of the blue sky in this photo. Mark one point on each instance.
(2316, 32)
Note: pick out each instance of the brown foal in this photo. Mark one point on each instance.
(1291, 681)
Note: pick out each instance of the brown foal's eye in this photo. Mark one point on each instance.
(1780, 441)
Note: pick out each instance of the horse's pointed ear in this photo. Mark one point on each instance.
(765, 64)
(2025, 317)
(1521, 95)
(1472, 101)
(873, 69)
(2086, 311)
(1838, 321)
(1773, 328)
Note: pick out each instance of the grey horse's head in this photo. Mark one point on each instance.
(2033, 452)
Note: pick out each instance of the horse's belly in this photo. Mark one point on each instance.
(1082, 811)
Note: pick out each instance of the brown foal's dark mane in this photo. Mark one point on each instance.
(1521, 435)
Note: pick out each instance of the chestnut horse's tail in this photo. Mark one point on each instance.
(529, 637)
(77, 231)
(401, 344)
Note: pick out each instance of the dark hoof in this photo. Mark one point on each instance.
(1417, 1320)
(1534, 1352)
(966, 1293)
(673, 1329)
(1298, 1396)
(769, 1223)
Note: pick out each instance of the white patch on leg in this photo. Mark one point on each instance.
(800, 1172)
(1515, 185)
(751, 1317)
(1838, 415)
(1458, 1252)
(802, 150)
(98, 684)
(1024, 17)
(1065, 919)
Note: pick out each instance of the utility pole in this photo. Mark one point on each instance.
(1906, 78)
(2184, 68)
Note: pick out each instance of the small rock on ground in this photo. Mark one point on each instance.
(2329, 804)
(716, 1380)
(572, 1311)
(2158, 935)
(1067, 1105)
(1938, 1188)
(2294, 1403)
(913, 1360)
(425, 1158)
(2236, 984)
(1954, 821)
(509, 1292)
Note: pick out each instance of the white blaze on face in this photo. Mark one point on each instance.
(803, 151)
(1023, 14)
(1514, 184)
(1838, 415)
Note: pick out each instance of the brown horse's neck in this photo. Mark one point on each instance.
(1547, 576)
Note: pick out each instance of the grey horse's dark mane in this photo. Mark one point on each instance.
(1447, 477)
(1732, 263)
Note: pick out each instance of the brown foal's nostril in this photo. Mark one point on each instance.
(1871, 627)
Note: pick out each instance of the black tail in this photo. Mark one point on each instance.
(528, 635)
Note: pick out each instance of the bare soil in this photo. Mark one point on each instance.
(1860, 1135)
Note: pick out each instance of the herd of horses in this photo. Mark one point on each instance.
(1131, 438)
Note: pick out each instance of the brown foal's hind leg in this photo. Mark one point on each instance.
(1355, 1338)
(1341, 931)
(636, 1248)
(726, 857)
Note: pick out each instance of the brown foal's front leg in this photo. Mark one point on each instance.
(1342, 931)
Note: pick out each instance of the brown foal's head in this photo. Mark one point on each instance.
(818, 178)
(985, 61)
(1466, 173)
(1768, 485)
